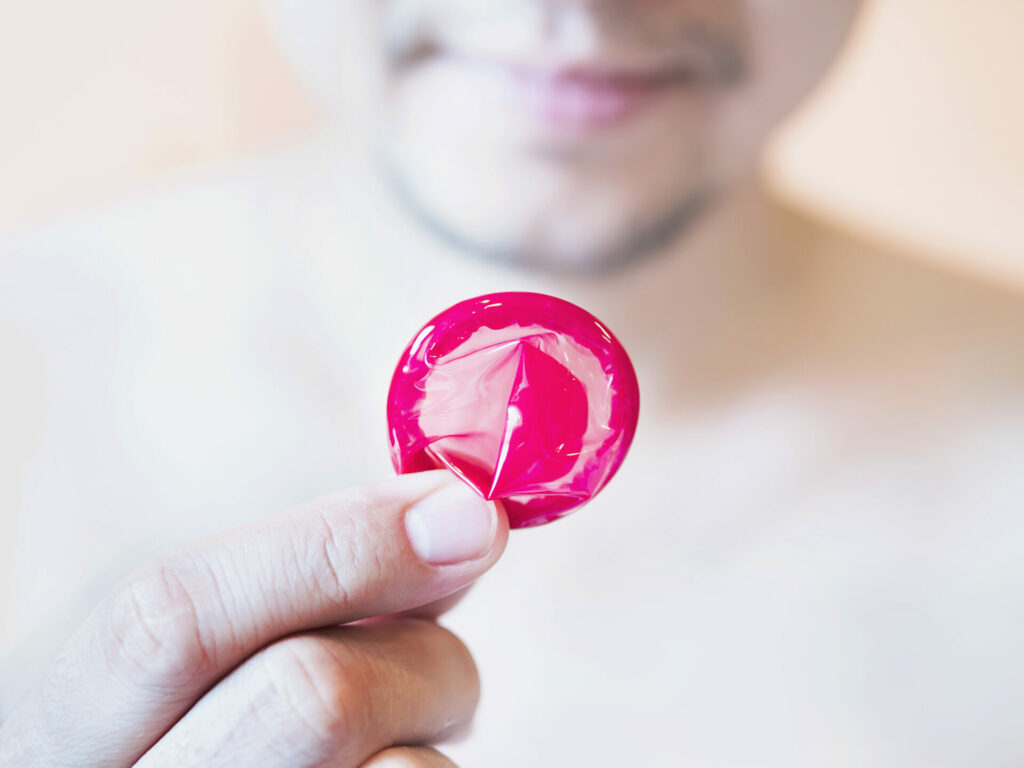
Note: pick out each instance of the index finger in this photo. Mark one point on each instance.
(172, 629)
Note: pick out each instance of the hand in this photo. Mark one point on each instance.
(230, 652)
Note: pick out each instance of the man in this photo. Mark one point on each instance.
(810, 557)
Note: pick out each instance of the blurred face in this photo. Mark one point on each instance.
(580, 133)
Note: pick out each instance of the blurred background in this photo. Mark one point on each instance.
(913, 142)
(928, 95)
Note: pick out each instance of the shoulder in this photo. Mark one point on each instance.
(886, 300)
(924, 365)
(217, 217)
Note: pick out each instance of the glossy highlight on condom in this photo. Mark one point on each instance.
(527, 398)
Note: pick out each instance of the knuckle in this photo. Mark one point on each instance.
(324, 691)
(348, 556)
(154, 635)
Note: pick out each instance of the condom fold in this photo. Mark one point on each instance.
(527, 398)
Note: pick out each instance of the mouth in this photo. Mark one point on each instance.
(572, 98)
(527, 83)
(567, 69)
(592, 98)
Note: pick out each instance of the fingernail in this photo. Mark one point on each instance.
(451, 525)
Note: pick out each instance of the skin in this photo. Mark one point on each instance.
(450, 123)
(567, 210)
(211, 654)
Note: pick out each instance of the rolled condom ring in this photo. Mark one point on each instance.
(528, 399)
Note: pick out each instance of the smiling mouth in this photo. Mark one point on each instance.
(560, 92)
(589, 99)
(574, 96)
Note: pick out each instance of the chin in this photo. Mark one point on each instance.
(593, 184)
(562, 209)
(561, 223)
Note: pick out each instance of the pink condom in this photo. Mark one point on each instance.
(527, 398)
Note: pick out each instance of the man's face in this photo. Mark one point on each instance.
(580, 133)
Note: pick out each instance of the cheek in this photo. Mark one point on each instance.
(791, 44)
(794, 43)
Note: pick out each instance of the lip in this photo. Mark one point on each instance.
(574, 98)
(585, 99)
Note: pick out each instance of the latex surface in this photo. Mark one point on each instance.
(527, 398)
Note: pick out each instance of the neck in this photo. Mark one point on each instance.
(686, 315)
